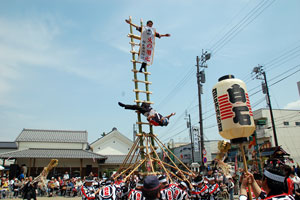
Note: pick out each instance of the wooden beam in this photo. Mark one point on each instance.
(139, 101)
(139, 81)
(137, 71)
(137, 37)
(133, 43)
(136, 61)
(142, 91)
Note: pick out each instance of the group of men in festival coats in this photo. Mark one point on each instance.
(136, 189)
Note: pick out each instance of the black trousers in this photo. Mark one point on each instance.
(145, 107)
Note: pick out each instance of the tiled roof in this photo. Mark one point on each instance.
(51, 153)
(36, 135)
(8, 145)
(117, 159)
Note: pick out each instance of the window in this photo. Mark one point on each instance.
(297, 123)
(286, 123)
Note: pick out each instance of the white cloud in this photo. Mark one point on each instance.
(293, 105)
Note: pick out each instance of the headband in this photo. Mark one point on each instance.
(164, 180)
(274, 177)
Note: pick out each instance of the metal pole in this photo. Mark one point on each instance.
(270, 108)
(200, 112)
(191, 135)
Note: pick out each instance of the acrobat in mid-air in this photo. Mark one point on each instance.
(153, 117)
(147, 44)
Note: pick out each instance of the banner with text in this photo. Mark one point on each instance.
(147, 45)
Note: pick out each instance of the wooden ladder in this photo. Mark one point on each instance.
(135, 42)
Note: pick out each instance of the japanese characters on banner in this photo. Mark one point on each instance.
(195, 132)
(147, 45)
(233, 110)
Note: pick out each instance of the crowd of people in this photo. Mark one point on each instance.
(211, 186)
(276, 182)
(24, 187)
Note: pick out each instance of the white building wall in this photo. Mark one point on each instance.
(288, 135)
(112, 146)
(48, 145)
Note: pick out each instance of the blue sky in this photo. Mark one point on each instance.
(65, 64)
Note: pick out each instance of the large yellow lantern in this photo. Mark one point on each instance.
(233, 110)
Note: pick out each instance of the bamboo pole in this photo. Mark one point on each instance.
(128, 155)
(164, 163)
(161, 165)
(174, 163)
(134, 169)
(157, 140)
(125, 170)
(137, 97)
(134, 153)
(147, 150)
(246, 170)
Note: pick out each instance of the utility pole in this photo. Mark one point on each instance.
(261, 74)
(191, 134)
(201, 79)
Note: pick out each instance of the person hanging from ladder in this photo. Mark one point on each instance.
(153, 117)
(147, 44)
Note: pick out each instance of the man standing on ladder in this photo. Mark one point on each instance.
(153, 117)
(146, 57)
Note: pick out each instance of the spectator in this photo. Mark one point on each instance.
(230, 187)
(66, 176)
(151, 188)
(78, 185)
(16, 187)
(51, 186)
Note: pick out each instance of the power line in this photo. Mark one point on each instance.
(241, 25)
(178, 86)
(237, 25)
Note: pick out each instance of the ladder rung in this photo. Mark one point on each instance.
(134, 36)
(134, 52)
(139, 101)
(137, 71)
(135, 61)
(145, 123)
(142, 91)
(146, 82)
(139, 134)
(142, 147)
(133, 43)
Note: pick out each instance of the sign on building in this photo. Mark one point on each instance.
(195, 132)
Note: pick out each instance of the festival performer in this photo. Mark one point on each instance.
(29, 189)
(88, 190)
(109, 191)
(150, 31)
(136, 194)
(180, 191)
(273, 184)
(289, 181)
(201, 190)
(214, 188)
(166, 191)
(151, 188)
(153, 117)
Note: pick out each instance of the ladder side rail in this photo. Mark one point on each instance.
(137, 98)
